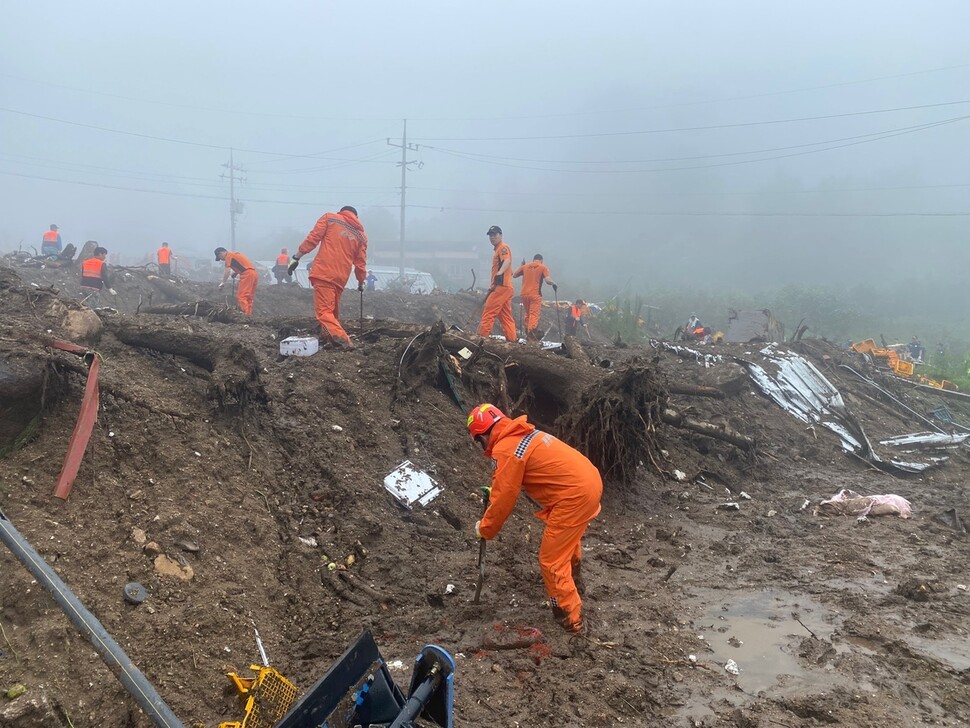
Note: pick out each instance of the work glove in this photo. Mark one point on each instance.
(294, 264)
(478, 530)
(222, 285)
(360, 286)
(555, 288)
(112, 291)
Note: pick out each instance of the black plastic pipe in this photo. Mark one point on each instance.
(89, 626)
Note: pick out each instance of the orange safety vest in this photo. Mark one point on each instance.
(502, 253)
(51, 236)
(164, 256)
(576, 312)
(532, 274)
(238, 262)
(282, 259)
(91, 271)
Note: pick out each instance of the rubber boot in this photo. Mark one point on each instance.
(578, 578)
(565, 622)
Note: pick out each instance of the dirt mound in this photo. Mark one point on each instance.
(259, 478)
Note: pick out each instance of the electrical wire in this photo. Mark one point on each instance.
(731, 193)
(162, 138)
(478, 155)
(597, 112)
(635, 213)
(703, 166)
(735, 125)
(642, 213)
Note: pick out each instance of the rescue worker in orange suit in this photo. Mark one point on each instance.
(164, 254)
(533, 275)
(343, 245)
(575, 318)
(498, 303)
(51, 244)
(238, 265)
(280, 269)
(95, 276)
(560, 479)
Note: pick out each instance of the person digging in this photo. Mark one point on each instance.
(561, 479)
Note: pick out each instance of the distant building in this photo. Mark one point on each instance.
(449, 262)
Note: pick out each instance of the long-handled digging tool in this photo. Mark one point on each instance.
(486, 492)
(361, 311)
(558, 315)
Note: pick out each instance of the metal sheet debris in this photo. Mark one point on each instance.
(410, 485)
(685, 352)
(937, 440)
(798, 387)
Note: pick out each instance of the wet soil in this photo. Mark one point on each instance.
(253, 472)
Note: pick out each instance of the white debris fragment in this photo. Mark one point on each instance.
(744, 496)
(336, 428)
(962, 587)
(450, 589)
(772, 513)
(680, 475)
(111, 434)
(198, 454)
(693, 659)
(732, 667)
(805, 504)
(395, 665)
(308, 541)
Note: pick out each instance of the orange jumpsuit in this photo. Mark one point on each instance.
(567, 486)
(532, 275)
(248, 278)
(499, 301)
(164, 260)
(343, 245)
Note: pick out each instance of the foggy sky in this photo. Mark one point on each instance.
(304, 78)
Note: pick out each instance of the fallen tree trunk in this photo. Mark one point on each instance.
(201, 309)
(695, 390)
(170, 290)
(234, 381)
(718, 432)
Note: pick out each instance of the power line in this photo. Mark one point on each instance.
(161, 138)
(732, 193)
(172, 193)
(477, 155)
(703, 166)
(735, 125)
(572, 211)
(597, 112)
(642, 213)
(171, 178)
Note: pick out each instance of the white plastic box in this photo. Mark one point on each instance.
(299, 346)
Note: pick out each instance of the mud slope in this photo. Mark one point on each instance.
(251, 473)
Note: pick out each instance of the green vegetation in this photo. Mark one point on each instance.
(937, 311)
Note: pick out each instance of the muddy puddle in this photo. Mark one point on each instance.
(762, 633)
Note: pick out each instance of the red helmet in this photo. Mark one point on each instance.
(482, 418)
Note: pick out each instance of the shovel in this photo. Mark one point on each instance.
(558, 315)
(362, 312)
(481, 551)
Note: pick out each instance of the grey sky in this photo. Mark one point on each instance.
(305, 77)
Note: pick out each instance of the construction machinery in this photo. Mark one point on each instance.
(898, 365)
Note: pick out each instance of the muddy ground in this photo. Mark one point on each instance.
(252, 472)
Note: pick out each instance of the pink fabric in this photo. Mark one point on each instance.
(849, 503)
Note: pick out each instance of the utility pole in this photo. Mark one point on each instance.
(405, 148)
(235, 206)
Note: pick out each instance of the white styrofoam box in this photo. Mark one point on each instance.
(410, 485)
(299, 346)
